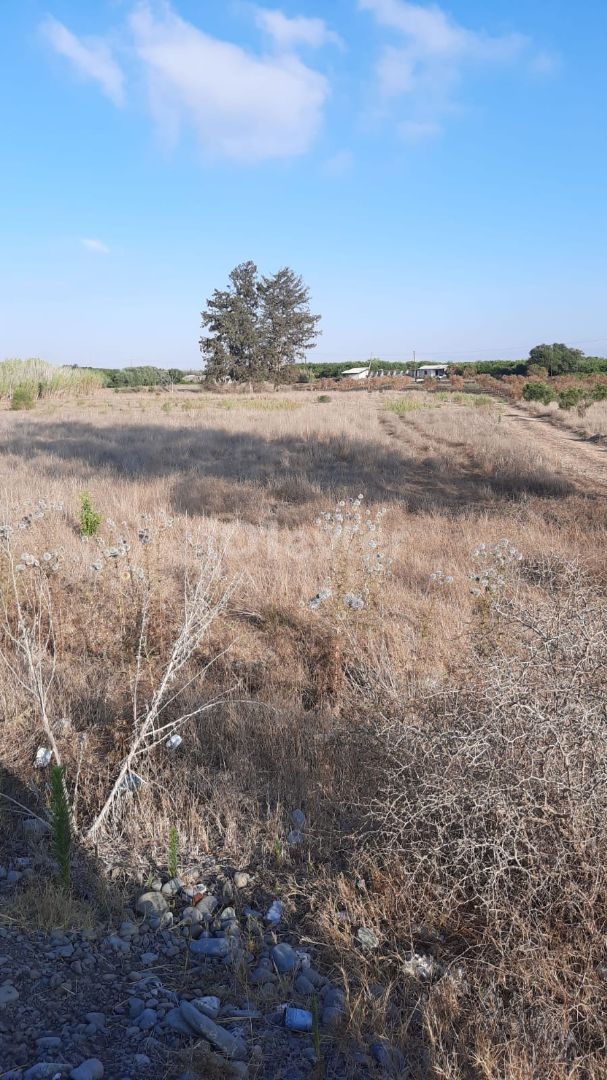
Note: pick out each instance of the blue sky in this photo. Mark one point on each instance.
(436, 173)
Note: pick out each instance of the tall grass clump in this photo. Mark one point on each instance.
(41, 380)
(60, 822)
(22, 398)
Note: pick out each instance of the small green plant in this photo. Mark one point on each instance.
(90, 519)
(23, 397)
(323, 399)
(61, 826)
(173, 852)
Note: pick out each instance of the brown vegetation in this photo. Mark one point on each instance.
(438, 714)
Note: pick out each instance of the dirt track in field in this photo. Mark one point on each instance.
(584, 461)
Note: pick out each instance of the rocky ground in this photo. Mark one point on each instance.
(192, 981)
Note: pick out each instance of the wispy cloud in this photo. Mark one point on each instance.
(91, 57)
(287, 33)
(430, 58)
(96, 246)
(241, 105)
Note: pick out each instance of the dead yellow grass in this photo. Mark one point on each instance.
(297, 684)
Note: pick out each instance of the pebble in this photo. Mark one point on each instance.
(241, 880)
(147, 1020)
(172, 887)
(118, 943)
(208, 1005)
(96, 1019)
(207, 905)
(152, 903)
(175, 1021)
(303, 985)
(141, 1061)
(298, 818)
(216, 948)
(284, 958)
(202, 1025)
(8, 994)
(92, 1069)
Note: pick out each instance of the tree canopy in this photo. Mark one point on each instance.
(257, 327)
(557, 358)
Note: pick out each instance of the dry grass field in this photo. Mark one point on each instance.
(437, 711)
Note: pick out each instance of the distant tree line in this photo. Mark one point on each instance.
(258, 326)
(556, 359)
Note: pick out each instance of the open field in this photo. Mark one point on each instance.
(437, 710)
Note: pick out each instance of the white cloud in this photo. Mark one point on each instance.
(91, 57)
(431, 57)
(287, 33)
(241, 106)
(96, 246)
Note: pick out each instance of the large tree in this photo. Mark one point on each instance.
(556, 358)
(257, 328)
(288, 328)
(232, 347)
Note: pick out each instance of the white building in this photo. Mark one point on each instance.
(431, 371)
(356, 373)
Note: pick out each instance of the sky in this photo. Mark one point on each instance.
(436, 173)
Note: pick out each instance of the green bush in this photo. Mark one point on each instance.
(323, 399)
(538, 391)
(572, 397)
(23, 397)
(90, 519)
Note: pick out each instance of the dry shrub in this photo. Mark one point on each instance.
(490, 811)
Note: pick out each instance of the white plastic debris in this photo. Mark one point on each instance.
(274, 913)
(367, 938)
(173, 742)
(43, 757)
(131, 782)
(420, 966)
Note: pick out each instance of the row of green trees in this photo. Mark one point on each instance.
(258, 326)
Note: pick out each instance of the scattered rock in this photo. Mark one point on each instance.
(172, 887)
(205, 1027)
(241, 880)
(210, 1006)
(8, 994)
(284, 958)
(152, 903)
(216, 948)
(92, 1069)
